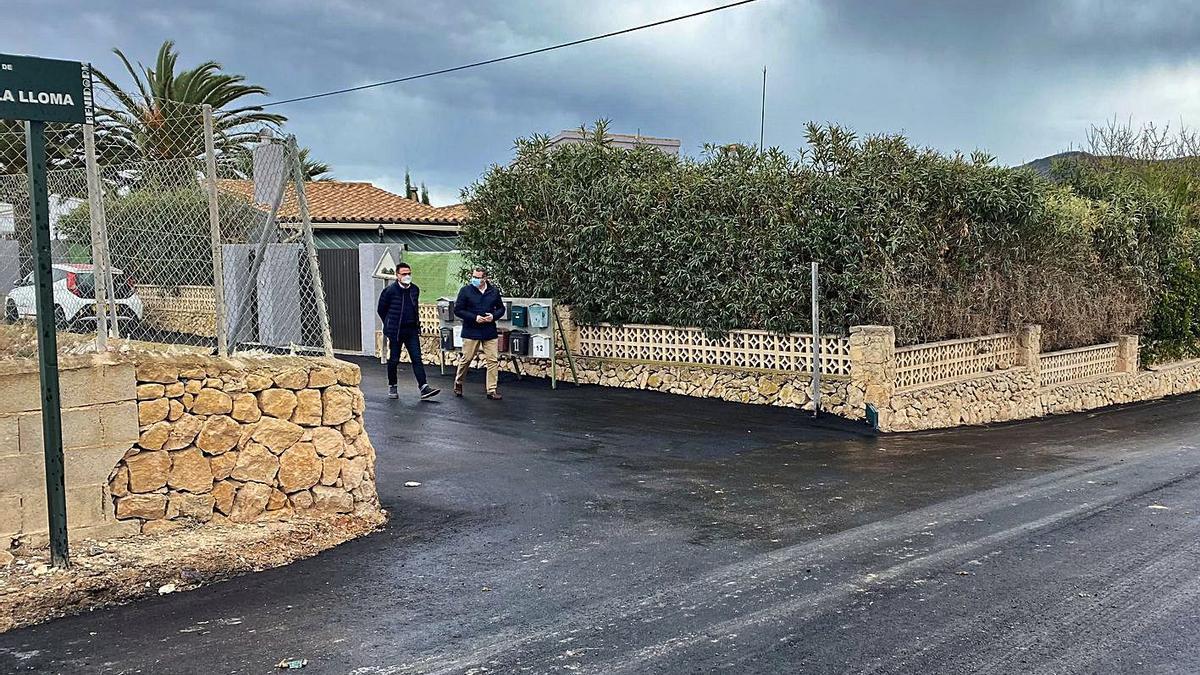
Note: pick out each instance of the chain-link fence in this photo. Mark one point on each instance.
(170, 223)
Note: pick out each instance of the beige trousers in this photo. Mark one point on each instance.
(491, 360)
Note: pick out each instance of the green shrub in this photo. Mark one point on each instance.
(938, 246)
(161, 235)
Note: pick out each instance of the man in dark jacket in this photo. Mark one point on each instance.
(402, 326)
(479, 306)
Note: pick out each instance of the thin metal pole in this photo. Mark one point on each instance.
(314, 267)
(816, 338)
(762, 120)
(56, 496)
(96, 216)
(214, 229)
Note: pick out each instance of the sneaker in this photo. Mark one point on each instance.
(428, 392)
(457, 389)
(392, 392)
(495, 396)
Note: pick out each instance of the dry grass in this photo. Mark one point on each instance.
(119, 571)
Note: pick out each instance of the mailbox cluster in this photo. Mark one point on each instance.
(527, 328)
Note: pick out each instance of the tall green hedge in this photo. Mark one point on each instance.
(938, 246)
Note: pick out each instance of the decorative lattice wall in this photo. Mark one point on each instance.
(429, 319)
(934, 362)
(1077, 364)
(753, 349)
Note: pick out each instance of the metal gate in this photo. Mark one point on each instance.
(339, 277)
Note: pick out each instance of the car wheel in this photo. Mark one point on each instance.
(10, 312)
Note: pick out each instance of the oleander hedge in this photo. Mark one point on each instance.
(938, 246)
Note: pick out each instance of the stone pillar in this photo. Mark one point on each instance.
(1029, 349)
(1127, 353)
(873, 369)
(569, 327)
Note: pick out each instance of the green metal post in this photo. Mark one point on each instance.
(56, 498)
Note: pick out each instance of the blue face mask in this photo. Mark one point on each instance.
(476, 282)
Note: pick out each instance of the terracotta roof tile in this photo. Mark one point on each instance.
(345, 202)
(456, 211)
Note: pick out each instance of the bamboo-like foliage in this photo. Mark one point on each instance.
(938, 246)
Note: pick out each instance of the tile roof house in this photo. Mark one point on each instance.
(345, 214)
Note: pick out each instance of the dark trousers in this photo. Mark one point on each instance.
(411, 339)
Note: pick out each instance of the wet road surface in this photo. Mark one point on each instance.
(612, 531)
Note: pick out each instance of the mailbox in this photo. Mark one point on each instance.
(519, 341)
(540, 346)
(445, 309)
(447, 339)
(502, 341)
(539, 316)
(520, 316)
(458, 336)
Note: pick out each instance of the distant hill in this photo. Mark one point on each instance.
(1042, 166)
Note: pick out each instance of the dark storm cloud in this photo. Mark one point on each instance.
(1021, 79)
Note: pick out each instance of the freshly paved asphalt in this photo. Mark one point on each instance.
(610, 531)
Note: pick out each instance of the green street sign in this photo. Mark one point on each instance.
(41, 90)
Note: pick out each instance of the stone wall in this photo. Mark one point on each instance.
(179, 309)
(243, 439)
(1020, 392)
(763, 387)
(99, 424)
(1012, 388)
(152, 442)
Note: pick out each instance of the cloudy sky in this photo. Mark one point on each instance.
(1021, 79)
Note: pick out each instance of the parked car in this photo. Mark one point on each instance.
(74, 298)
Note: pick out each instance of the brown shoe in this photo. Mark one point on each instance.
(495, 396)
(458, 390)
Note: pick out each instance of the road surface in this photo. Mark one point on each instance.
(610, 531)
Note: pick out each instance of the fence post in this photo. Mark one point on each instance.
(214, 229)
(816, 344)
(873, 369)
(100, 262)
(1029, 350)
(314, 267)
(1127, 353)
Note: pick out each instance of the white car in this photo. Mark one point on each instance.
(74, 297)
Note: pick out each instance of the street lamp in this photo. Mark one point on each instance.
(380, 231)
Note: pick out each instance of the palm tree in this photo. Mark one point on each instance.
(162, 120)
(313, 169)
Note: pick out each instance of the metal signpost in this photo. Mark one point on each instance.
(38, 91)
(816, 338)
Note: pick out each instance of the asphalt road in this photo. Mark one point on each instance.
(611, 531)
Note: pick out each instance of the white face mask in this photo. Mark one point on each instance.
(406, 279)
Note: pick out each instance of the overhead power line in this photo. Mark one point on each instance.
(510, 57)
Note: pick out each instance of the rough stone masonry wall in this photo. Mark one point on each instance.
(1018, 393)
(791, 390)
(99, 424)
(245, 439)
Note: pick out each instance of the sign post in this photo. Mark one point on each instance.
(39, 91)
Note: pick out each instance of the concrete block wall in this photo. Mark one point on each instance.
(99, 421)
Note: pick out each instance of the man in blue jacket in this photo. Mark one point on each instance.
(402, 326)
(479, 306)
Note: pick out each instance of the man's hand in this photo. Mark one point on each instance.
(479, 318)
(489, 316)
